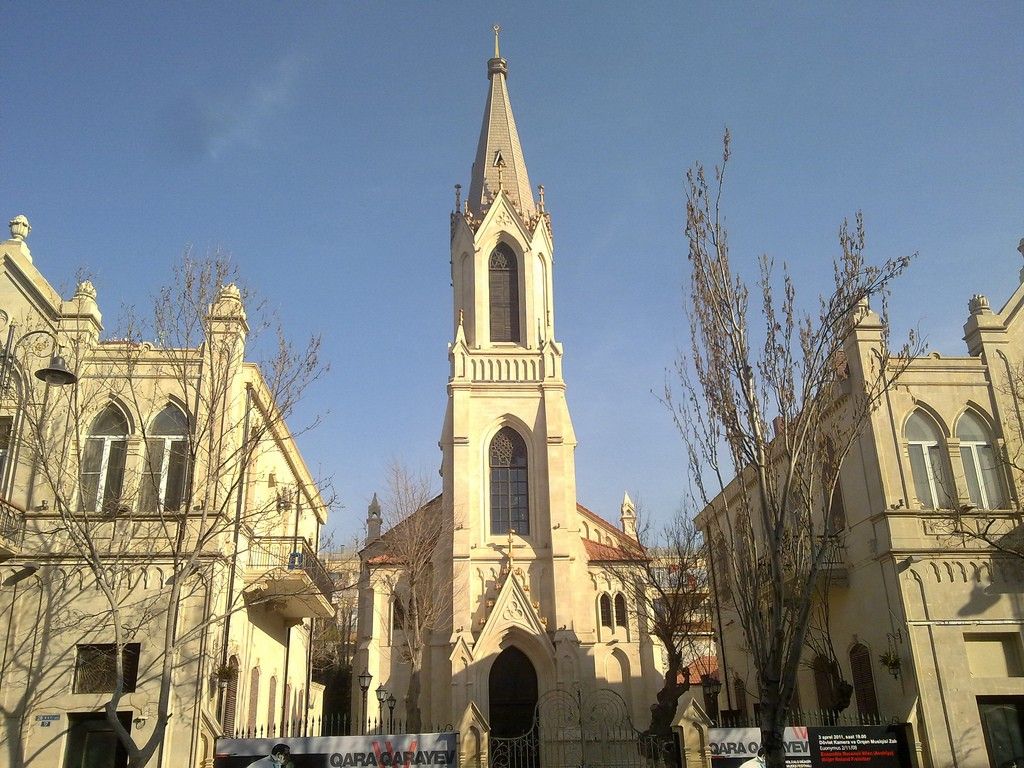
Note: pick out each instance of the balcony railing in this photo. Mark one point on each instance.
(11, 523)
(267, 552)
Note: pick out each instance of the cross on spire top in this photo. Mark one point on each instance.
(497, 29)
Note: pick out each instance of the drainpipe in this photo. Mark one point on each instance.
(242, 479)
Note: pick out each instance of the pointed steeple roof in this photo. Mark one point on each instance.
(499, 160)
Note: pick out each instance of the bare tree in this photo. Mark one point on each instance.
(185, 509)
(405, 560)
(768, 416)
(667, 580)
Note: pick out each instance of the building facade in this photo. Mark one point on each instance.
(534, 601)
(159, 534)
(925, 591)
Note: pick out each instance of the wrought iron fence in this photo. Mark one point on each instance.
(333, 725)
(573, 729)
(815, 717)
(292, 554)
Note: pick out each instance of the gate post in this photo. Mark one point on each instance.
(474, 738)
(691, 728)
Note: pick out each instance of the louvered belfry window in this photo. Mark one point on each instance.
(510, 506)
(863, 680)
(504, 294)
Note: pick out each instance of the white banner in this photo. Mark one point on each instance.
(398, 750)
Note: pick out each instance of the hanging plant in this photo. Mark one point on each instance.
(890, 660)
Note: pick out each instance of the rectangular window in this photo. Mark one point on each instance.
(96, 669)
(994, 654)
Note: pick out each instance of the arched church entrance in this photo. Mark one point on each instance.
(512, 693)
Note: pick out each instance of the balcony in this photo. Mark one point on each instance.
(286, 573)
(11, 523)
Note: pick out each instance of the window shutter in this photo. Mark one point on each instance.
(863, 680)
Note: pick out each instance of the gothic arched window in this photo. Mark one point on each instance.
(503, 281)
(932, 483)
(606, 611)
(510, 505)
(102, 467)
(167, 462)
(254, 699)
(863, 680)
(620, 610)
(981, 466)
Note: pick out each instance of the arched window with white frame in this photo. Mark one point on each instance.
(103, 458)
(165, 473)
(981, 463)
(932, 483)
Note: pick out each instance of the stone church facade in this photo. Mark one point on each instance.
(535, 604)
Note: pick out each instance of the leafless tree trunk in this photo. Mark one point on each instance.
(667, 581)
(763, 401)
(195, 362)
(405, 558)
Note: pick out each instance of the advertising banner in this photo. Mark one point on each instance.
(740, 747)
(864, 746)
(405, 750)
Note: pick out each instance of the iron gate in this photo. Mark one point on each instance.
(575, 730)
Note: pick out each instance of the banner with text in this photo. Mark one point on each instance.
(865, 746)
(405, 750)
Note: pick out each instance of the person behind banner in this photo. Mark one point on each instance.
(279, 756)
(755, 762)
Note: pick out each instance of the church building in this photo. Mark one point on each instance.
(534, 603)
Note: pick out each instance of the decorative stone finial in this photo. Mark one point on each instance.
(1020, 248)
(497, 31)
(458, 198)
(20, 227)
(85, 290)
(229, 291)
(978, 305)
(540, 193)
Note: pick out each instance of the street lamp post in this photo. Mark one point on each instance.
(56, 374)
(382, 697)
(712, 687)
(364, 685)
(391, 712)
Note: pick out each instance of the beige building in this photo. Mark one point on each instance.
(926, 615)
(562, 618)
(158, 534)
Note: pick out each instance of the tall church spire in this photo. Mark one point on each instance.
(499, 160)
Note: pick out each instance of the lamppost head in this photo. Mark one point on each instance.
(364, 681)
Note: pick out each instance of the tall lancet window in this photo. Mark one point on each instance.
(510, 506)
(504, 293)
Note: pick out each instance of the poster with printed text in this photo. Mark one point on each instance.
(406, 750)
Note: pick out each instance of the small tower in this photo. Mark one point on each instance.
(373, 520)
(628, 516)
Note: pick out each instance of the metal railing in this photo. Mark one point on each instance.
(815, 717)
(11, 521)
(266, 552)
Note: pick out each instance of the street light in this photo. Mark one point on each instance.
(712, 687)
(391, 712)
(56, 374)
(382, 696)
(364, 686)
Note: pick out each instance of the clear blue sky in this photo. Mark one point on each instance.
(319, 142)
